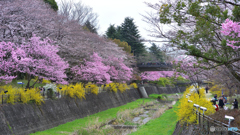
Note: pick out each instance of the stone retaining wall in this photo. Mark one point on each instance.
(22, 119)
(161, 90)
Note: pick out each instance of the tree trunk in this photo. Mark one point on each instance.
(35, 83)
(29, 79)
(235, 75)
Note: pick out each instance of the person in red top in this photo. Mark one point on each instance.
(216, 108)
(214, 104)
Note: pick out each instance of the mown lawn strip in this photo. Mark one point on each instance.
(104, 116)
(164, 125)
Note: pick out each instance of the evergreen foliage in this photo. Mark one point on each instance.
(129, 33)
(156, 52)
(52, 3)
(123, 44)
(89, 27)
(112, 32)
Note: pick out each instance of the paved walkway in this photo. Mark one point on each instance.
(208, 95)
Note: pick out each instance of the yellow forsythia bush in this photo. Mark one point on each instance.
(216, 89)
(134, 85)
(73, 91)
(34, 95)
(24, 95)
(19, 94)
(93, 88)
(12, 94)
(122, 87)
(186, 111)
(112, 87)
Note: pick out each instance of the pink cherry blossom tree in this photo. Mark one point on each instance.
(21, 18)
(155, 75)
(35, 57)
(232, 31)
(41, 59)
(7, 63)
(102, 71)
(119, 72)
(94, 70)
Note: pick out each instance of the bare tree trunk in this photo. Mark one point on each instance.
(29, 79)
(35, 82)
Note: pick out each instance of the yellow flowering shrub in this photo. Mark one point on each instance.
(62, 89)
(134, 85)
(123, 87)
(34, 95)
(112, 87)
(24, 95)
(79, 90)
(19, 94)
(12, 94)
(73, 91)
(70, 91)
(216, 89)
(93, 88)
(185, 112)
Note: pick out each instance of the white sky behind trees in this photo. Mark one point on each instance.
(114, 12)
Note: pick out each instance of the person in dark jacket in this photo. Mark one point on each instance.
(235, 104)
(207, 89)
(220, 103)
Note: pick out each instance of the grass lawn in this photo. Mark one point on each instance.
(14, 83)
(155, 96)
(103, 116)
(164, 125)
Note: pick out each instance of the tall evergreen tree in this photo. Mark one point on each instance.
(88, 26)
(52, 3)
(111, 32)
(156, 52)
(130, 34)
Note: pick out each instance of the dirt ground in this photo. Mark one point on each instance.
(220, 116)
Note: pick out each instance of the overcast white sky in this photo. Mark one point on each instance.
(114, 12)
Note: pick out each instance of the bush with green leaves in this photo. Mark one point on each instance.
(163, 81)
(52, 3)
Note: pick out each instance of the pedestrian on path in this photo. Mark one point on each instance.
(235, 104)
(220, 103)
(207, 89)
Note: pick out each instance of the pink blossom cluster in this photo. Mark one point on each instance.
(155, 75)
(232, 30)
(7, 64)
(36, 58)
(102, 71)
(189, 68)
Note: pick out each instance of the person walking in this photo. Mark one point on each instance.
(207, 89)
(220, 103)
(235, 104)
